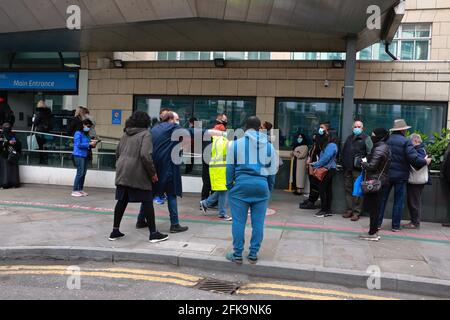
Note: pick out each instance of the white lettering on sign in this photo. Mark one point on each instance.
(74, 19)
(31, 83)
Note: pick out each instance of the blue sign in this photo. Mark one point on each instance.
(116, 116)
(45, 81)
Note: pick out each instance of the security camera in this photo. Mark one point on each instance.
(326, 83)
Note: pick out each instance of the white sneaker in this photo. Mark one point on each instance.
(84, 194)
(76, 194)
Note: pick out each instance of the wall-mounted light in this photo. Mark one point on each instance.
(219, 63)
(326, 83)
(338, 64)
(118, 63)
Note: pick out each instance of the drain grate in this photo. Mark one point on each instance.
(217, 286)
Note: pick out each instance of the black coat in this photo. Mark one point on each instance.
(43, 120)
(75, 125)
(6, 114)
(356, 147)
(378, 162)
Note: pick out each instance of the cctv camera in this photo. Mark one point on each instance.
(326, 83)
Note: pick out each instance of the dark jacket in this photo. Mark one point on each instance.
(378, 162)
(403, 155)
(445, 170)
(75, 125)
(6, 114)
(420, 148)
(169, 176)
(134, 166)
(356, 147)
(43, 120)
(6, 147)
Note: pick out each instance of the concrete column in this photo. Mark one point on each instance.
(349, 88)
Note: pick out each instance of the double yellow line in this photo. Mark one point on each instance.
(112, 273)
(288, 291)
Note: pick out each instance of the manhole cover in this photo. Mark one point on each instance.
(217, 286)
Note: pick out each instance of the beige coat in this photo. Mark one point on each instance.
(301, 156)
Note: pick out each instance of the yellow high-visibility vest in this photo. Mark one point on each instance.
(218, 164)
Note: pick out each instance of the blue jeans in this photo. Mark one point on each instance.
(221, 197)
(81, 164)
(173, 211)
(239, 211)
(399, 202)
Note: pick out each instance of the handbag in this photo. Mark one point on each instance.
(32, 141)
(320, 173)
(418, 176)
(13, 156)
(373, 186)
(357, 189)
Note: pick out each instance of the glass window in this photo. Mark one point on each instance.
(423, 31)
(421, 50)
(407, 50)
(219, 55)
(189, 55)
(235, 55)
(424, 117)
(205, 55)
(264, 56)
(162, 55)
(172, 55)
(205, 109)
(295, 116)
(366, 54)
(408, 31)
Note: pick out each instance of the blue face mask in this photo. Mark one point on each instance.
(300, 140)
(86, 129)
(357, 131)
(321, 131)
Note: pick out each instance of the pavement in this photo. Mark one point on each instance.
(39, 221)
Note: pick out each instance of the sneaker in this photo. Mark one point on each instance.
(85, 194)
(231, 257)
(368, 237)
(252, 259)
(396, 230)
(177, 229)
(226, 218)
(158, 237)
(158, 201)
(410, 226)
(141, 225)
(203, 207)
(348, 214)
(320, 214)
(355, 218)
(307, 205)
(76, 194)
(115, 235)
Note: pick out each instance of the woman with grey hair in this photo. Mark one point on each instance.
(417, 181)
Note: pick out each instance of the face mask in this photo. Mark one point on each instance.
(357, 131)
(177, 122)
(86, 129)
(300, 140)
(321, 131)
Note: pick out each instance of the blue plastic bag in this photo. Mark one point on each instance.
(357, 189)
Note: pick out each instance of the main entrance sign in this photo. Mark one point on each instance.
(46, 81)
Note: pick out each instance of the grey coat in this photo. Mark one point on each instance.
(134, 166)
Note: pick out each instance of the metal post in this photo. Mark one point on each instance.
(349, 88)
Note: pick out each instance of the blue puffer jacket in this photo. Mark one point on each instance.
(420, 148)
(403, 155)
(81, 144)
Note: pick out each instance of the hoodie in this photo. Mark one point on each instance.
(134, 166)
(252, 164)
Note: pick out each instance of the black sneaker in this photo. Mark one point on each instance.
(307, 205)
(158, 237)
(177, 229)
(141, 225)
(115, 235)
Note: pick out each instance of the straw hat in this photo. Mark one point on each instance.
(400, 125)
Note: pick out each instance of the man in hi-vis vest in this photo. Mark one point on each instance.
(218, 175)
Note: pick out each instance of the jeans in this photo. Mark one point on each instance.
(239, 210)
(173, 211)
(220, 196)
(81, 164)
(326, 191)
(399, 199)
(206, 189)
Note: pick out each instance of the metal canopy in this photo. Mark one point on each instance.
(189, 25)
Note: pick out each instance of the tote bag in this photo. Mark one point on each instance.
(418, 176)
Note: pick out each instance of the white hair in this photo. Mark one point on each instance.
(416, 137)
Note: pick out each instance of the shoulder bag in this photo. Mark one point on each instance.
(373, 186)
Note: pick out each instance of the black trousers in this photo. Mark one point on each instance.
(314, 189)
(147, 208)
(43, 157)
(414, 201)
(206, 190)
(372, 202)
(326, 191)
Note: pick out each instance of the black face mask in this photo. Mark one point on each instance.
(222, 122)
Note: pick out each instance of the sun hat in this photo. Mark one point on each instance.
(400, 125)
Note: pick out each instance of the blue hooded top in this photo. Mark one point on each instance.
(252, 164)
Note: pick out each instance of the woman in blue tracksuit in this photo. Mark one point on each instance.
(82, 144)
(327, 159)
(252, 164)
